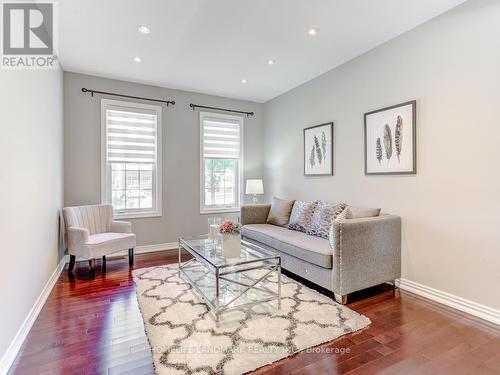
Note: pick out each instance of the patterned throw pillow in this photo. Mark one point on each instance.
(301, 216)
(323, 217)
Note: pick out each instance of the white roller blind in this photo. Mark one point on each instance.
(221, 139)
(131, 136)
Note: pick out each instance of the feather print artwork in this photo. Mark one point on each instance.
(318, 149)
(398, 137)
(378, 150)
(312, 157)
(387, 142)
(323, 143)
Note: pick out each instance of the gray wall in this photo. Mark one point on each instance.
(450, 209)
(181, 185)
(31, 190)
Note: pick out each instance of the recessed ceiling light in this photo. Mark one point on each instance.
(243, 80)
(313, 31)
(271, 61)
(137, 59)
(144, 29)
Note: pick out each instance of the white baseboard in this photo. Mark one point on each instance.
(470, 307)
(158, 247)
(16, 344)
(147, 249)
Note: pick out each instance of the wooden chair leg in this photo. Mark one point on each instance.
(91, 268)
(72, 259)
(131, 257)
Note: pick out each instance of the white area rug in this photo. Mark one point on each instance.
(185, 339)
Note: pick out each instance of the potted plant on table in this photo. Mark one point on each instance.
(231, 238)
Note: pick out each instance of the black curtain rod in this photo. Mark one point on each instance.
(92, 92)
(194, 106)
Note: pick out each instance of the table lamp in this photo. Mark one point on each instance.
(254, 187)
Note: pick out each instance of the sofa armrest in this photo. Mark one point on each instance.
(76, 237)
(120, 227)
(254, 213)
(366, 252)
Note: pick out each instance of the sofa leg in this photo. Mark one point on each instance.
(342, 299)
(91, 268)
(72, 259)
(131, 257)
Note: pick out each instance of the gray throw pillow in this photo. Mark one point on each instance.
(324, 215)
(279, 214)
(360, 212)
(301, 216)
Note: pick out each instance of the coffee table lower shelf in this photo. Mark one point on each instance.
(231, 287)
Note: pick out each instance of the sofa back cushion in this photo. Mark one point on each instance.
(360, 212)
(280, 211)
(301, 216)
(324, 215)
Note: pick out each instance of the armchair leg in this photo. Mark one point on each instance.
(341, 299)
(72, 259)
(131, 257)
(91, 268)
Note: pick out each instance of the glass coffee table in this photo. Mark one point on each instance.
(227, 283)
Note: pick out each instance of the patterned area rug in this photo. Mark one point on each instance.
(185, 339)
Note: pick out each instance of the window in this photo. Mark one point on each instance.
(131, 158)
(221, 162)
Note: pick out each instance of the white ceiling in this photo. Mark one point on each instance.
(211, 45)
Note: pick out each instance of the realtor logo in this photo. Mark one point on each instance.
(28, 35)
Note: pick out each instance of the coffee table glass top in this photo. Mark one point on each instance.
(211, 251)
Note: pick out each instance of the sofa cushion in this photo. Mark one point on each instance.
(301, 217)
(312, 249)
(279, 214)
(360, 212)
(324, 215)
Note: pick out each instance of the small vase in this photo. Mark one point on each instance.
(231, 245)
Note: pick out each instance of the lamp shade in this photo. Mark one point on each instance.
(254, 187)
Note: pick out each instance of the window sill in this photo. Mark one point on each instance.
(220, 211)
(137, 215)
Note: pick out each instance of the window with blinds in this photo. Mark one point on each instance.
(220, 151)
(131, 134)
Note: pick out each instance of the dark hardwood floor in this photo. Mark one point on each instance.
(95, 326)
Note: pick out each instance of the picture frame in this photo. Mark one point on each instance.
(390, 140)
(318, 150)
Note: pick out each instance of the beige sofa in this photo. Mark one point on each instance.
(359, 254)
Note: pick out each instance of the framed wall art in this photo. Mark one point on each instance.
(391, 140)
(318, 150)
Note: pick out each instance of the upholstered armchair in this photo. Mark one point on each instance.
(91, 232)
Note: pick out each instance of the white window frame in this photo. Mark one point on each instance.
(106, 168)
(238, 193)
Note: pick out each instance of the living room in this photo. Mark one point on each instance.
(250, 187)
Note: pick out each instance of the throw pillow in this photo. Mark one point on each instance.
(359, 212)
(301, 216)
(323, 217)
(332, 237)
(280, 211)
